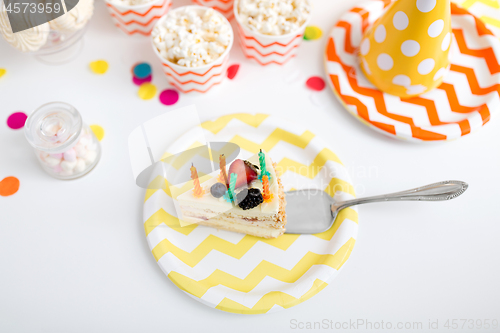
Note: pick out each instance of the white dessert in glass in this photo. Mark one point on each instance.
(29, 40)
(193, 44)
(271, 30)
(55, 41)
(75, 19)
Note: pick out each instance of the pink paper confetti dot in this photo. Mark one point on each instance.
(169, 97)
(232, 71)
(17, 120)
(138, 81)
(315, 83)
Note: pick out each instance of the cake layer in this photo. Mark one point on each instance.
(219, 205)
(267, 220)
(265, 232)
(237, 220)
(196, 216)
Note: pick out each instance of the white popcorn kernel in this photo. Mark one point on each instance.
(274, 17)
(190, 39)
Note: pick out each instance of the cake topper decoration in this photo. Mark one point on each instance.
(232, 186)
(223, 172)
(266, 192)
(198, 191)
(262, 161)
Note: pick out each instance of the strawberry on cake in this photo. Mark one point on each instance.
(248, 198)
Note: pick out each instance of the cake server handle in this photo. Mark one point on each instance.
(445, 190)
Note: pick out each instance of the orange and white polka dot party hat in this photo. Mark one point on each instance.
(405, 52)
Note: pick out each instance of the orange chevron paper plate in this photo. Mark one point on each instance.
(245, 274)
(463, 103)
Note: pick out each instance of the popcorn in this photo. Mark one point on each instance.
(187, 38)
(274, 17)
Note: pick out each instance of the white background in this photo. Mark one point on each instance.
(73, 254)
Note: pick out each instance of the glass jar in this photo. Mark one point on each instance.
(57, 41)
(65, 147)
(61, 47)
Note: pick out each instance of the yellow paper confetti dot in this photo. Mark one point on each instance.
(2, 71)
(98, 131)
(312, 33)
(147, 91)
(99, 66)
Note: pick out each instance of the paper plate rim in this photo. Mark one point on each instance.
(480, 25)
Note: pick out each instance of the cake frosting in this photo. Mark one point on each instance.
(273, 17)
(27, 40)
(75, 19)
(192, 36)
(265, 220)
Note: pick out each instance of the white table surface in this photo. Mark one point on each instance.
(74, 257)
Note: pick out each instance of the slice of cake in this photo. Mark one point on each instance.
(248, 199)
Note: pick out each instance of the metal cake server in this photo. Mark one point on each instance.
(312, 211)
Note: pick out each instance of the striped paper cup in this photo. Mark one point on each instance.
(199, 79)
(223, 6)
(266, 49)
(138, 19)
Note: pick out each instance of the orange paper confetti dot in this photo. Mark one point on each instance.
(9, 186)
(98, 131)
(2, 71)
(147, 91)
(99, 66)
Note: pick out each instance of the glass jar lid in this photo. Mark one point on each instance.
(53, 127)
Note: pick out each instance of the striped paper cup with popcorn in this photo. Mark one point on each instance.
(268, 49)
(223, 6)
(137, 19)
(198, 78)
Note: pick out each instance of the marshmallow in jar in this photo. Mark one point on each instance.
(65, 147)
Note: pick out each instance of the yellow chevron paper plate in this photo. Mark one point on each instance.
(487, 10)
(245, 274)
(466, 100)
